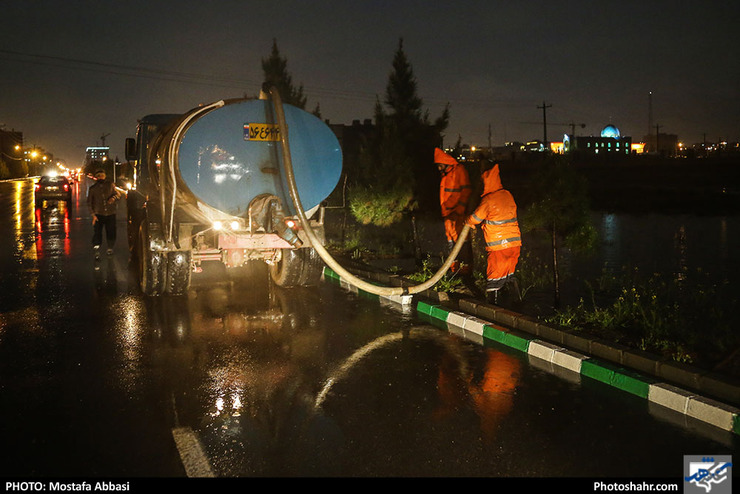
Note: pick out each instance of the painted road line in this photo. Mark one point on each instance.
(193, 458)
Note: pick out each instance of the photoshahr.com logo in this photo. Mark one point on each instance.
(708, 474)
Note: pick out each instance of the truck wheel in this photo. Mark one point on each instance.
(287, 271)
(151, 265)
(178, 272)
(297, 267)
(313, 267)
(133, 224)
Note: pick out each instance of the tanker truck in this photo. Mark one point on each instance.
(209, 190)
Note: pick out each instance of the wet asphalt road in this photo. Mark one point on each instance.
(99, 381)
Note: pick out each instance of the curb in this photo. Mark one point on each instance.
(619, 367)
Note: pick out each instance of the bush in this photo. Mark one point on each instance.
(371, 207)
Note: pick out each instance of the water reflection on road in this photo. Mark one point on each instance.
(277, 382)
(301, 382)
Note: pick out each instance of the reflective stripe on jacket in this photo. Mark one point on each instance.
(454, 191)
(497, 213)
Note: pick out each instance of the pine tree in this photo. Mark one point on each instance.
(401, 92)
(396, 170)
(275, 69)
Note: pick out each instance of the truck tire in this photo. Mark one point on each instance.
(313, 267)
(287, 271)
(297, 267)
(178, 271)
(133, 223)
(152, 265)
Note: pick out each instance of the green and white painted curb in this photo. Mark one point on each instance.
(712, 412)
(404, 300)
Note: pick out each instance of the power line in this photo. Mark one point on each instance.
(220, 81)
(129, 70)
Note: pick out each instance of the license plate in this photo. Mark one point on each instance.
(261, 132)
(52, 188)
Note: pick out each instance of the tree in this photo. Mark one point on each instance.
(561, 211)
(395, 167)
(382, 189)
(400, 93)
(275, 69)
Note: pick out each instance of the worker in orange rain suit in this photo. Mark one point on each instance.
(498, 213)
(454, 193)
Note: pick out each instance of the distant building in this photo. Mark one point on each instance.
(96, 155)
(352, 137)
(662, 144)
(609, 143)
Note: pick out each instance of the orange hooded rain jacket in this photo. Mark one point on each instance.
(498, 214)
(454, 192)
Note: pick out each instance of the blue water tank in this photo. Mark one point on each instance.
(229, 156)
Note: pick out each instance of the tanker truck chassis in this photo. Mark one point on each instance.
(209, 192)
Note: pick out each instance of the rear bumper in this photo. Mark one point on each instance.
(53, 196)
(266, 241)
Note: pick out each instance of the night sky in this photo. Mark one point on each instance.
(73, 71)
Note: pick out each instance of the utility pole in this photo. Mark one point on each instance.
(650, 112)
(544, 108)
(573, 128)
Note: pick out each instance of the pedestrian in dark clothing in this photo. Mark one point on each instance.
(102, 198)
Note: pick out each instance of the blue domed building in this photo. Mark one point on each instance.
(610, 131)
(609, 143)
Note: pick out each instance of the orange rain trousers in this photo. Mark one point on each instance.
(501, 264)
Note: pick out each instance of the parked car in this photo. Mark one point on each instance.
(55, 188)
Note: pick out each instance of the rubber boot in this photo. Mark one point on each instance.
(514, 286)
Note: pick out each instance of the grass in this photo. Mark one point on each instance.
(450, 282)
(686, 318)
